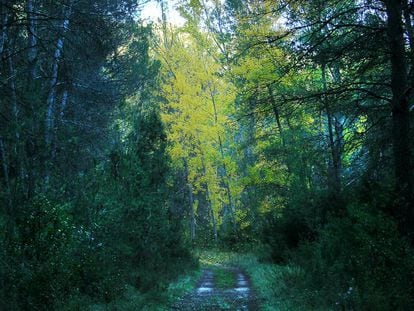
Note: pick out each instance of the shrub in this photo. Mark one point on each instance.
(38, 256)
(360, 262)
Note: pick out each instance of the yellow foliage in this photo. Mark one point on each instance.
(196, 115)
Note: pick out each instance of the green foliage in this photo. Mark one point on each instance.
(86, 218)
(360, 262)
(134, 253)
(281, 126)
(38, 256)
(146, 230)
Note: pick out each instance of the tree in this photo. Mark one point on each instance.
(68, 71)
(196, 112)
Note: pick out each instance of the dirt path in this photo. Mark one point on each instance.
(208, 296)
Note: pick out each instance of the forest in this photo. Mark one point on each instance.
(256, 157)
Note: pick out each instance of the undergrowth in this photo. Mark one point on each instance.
(277, 287)
(132, 299)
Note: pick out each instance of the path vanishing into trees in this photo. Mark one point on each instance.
(206, 155)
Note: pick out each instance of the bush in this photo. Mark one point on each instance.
(284, 233)
(360, 262)
(37, 257)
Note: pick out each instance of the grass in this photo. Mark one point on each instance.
(221, 267)
(276, 286)
(183, 285)
(132, 299)
(223, 278)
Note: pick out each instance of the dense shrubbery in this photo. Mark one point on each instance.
(83, 169)
(120, 238)
(38, 256)
(358, 261)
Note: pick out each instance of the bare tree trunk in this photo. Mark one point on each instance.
(3, 36)
(164, 11)
(11, 78)
(3, 39)
(191, 204)
(51, 99)
(226, 178)
(400, 115)
(407, 10)
(335, 161)
(32, 39)
(213, 218)
(63, 104)
(210, 205)
(192, 212)
(226, 182)
(30, 140)
(15, 109)
(16, 154)
(276, 114)
(338, 123)
(5, 171)
(17, 146)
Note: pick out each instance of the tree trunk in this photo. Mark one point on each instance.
(51, 99)
(32, 39)
(213, 218)
(210, 205)
(192, 212)
(191, 204)
(338, 124)
(226, 178)
(400, 115)
(62, 108)
(250, 139)
(16, 151)
(3, 36)
(334, 174)
(63, 104)
(5, 172)
(407, 9)
(12, 84)
(31, 95)
(276, 114)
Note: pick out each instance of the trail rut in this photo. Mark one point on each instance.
(207, 296)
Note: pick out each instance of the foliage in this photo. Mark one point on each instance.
(38, 255)
(360, 262)
(196, 112)
(279, 127)
(84, 192)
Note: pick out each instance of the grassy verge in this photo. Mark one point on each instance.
(276, 286)
(133, 300)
